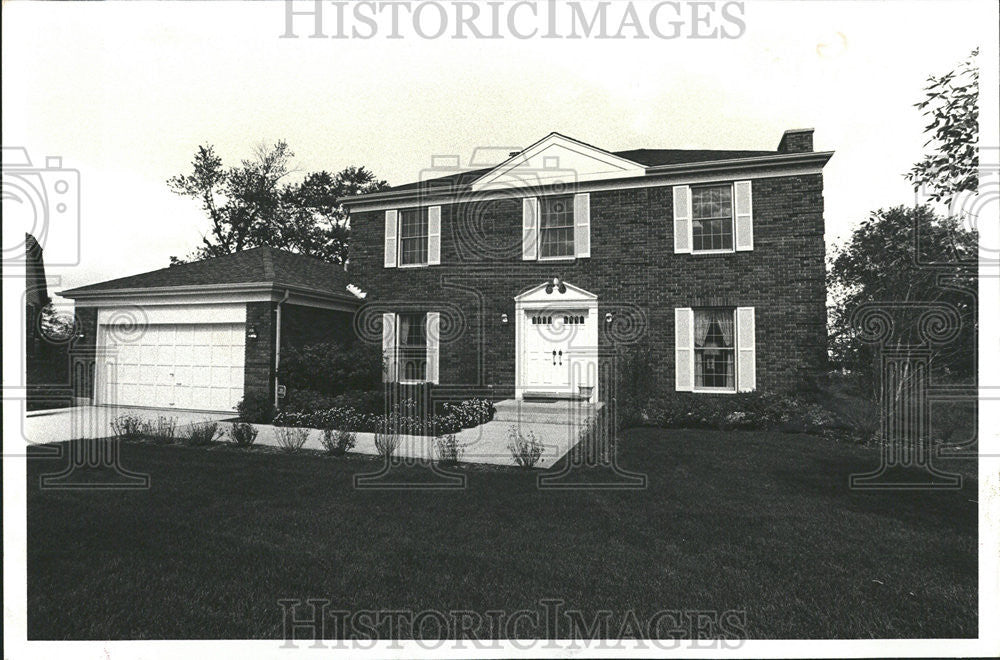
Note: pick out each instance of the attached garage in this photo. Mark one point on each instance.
(203, 335)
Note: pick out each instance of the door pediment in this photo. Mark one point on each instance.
(556, 293)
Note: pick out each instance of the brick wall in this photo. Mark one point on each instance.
(632, 269)
(258, 368)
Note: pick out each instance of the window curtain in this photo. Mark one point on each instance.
(708, 321)
(404, 328)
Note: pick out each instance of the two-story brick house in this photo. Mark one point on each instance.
(531, 276)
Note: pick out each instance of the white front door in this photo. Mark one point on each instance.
(554, 341)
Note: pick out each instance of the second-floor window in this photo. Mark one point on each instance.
(712, 218)
(555, 236)
(413, 237)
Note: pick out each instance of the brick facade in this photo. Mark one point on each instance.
(632, 269)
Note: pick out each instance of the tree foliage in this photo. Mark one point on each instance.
(254, 204)
(908, 260)
(952, 106)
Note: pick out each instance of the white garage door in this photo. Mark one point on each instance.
(193, 366)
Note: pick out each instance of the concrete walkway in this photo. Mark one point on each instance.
(555, 424)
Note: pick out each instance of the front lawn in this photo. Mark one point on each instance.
(757, 522)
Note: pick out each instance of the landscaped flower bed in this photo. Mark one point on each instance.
(402, 419)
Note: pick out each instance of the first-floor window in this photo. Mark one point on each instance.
(412, 347)
(714, 349)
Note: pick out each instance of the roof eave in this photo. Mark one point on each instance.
(236, 288)
(817, 158)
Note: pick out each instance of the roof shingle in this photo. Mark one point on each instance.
(258, 265)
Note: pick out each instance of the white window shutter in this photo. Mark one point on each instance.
(746, 367)
(391, 222)
(433, 345)
(682, 218)
(684, 349)
(434, 236)
(529, 228)
(581, 214)
(388, 348)
(744, 215)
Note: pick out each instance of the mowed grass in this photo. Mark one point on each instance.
(762, 523)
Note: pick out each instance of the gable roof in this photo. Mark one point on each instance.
(261, 265)
(597, 164)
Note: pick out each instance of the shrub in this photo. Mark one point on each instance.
(242, 434)
(449, 451)
(330, 368)
(386, 441)
(525, 448)
(161, 431)
(471, 412)
(255, 408)
(127, 427)
(201, 435)
(291, 440)
(338, 443)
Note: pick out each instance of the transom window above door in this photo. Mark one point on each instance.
(413, 237)
(556, 231)
(712, 218)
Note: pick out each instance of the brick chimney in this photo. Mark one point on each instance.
(796, 140)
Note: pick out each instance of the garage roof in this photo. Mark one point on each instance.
(258, 266)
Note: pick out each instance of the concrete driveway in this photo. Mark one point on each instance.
(43, 426)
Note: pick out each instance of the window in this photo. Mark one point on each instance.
(556, 231)
(412, 347)
(712, 218)
(413, 237)
(714, 355)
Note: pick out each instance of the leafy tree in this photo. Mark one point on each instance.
(952, 106)
(908, 259)
(253, 204)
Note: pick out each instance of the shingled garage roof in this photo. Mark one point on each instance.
(645, 157)
(260, 266)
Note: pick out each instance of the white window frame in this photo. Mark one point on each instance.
(735, 349)
(425, 211)
(398, 348)
(732, 218)
(572, 225)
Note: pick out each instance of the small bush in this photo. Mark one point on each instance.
(386, 441)
(331, 368)
(449, 451)
(161, 431)
(242, 434)
(291, 440)
(201, 435)
(338, 443)
(127, 427)
(525, 448)
(255, 409)
(471, 412)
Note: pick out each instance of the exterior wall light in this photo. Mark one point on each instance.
(503, 319)
(608, 317)
(252, 332)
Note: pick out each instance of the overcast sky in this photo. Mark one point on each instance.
(125, 92)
